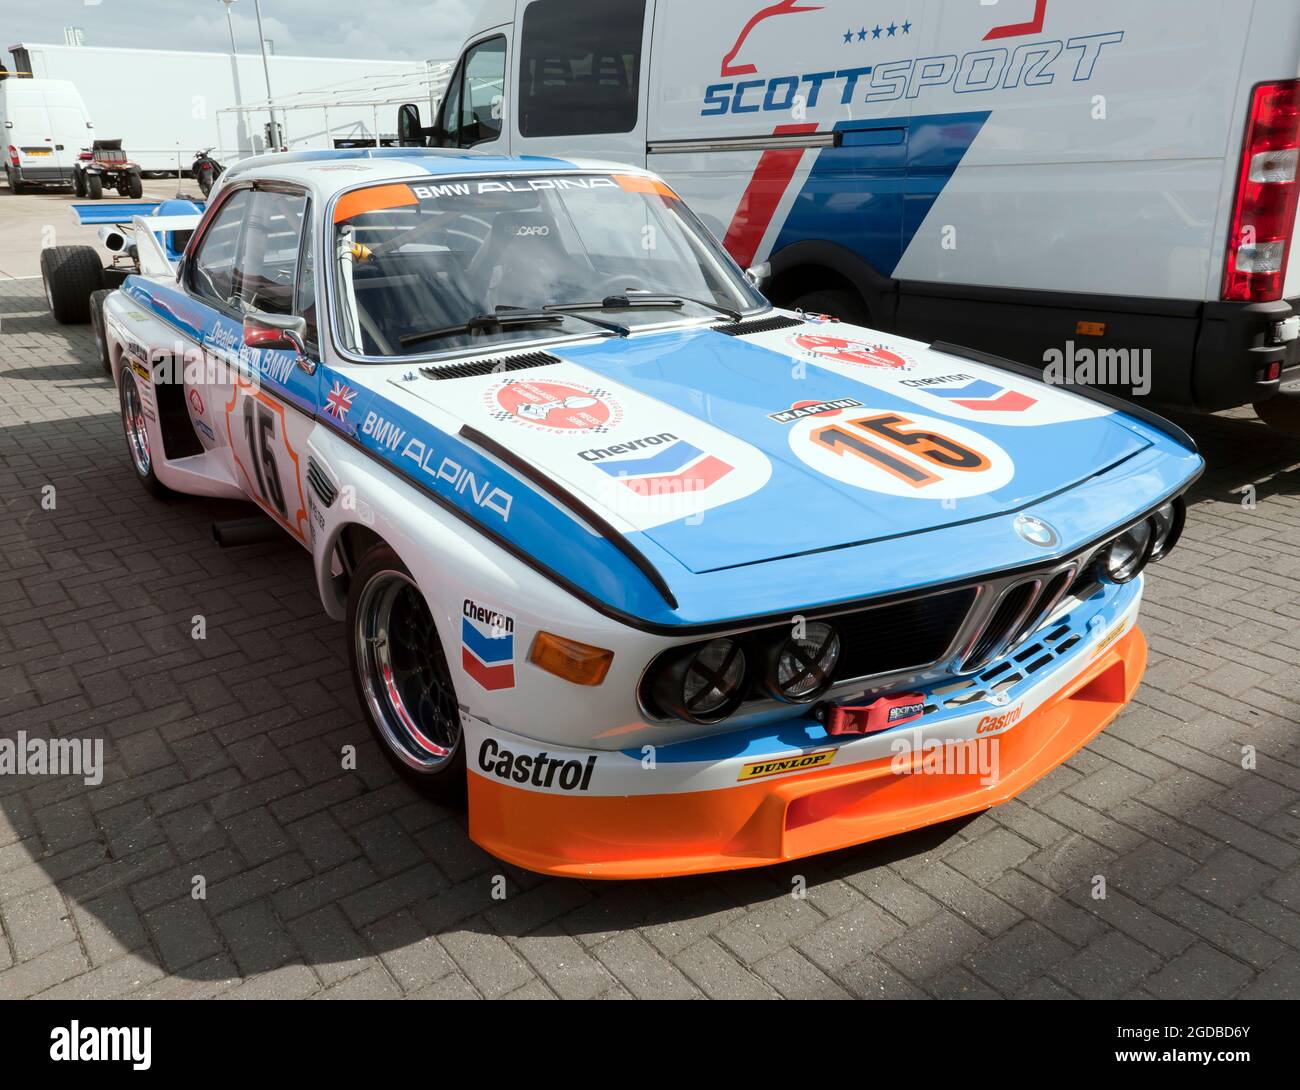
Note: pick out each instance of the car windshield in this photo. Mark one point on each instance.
(445, 265)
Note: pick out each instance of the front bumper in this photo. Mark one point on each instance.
(758, 797)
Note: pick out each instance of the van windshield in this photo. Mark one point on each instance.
(441, 266)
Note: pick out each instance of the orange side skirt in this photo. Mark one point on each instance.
(769, 821)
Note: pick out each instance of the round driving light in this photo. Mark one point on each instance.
(702, 683)
(1124, 557)
(799, 665)
(1169, 528)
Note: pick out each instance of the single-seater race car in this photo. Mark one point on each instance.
(660, 579)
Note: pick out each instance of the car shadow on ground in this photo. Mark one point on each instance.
(223, 699)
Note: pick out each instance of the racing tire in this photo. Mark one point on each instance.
(134, 187)
(402, 678)
(79, 183)
(94, 186)
(71, 274)
(97, 324)
(1282, 414)
(847, 306)
(135, 425)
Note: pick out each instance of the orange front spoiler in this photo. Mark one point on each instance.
(770, 821)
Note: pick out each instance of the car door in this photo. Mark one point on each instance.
(473, 107)
(260, 403)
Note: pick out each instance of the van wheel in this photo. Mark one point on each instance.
(15, 186)
(94, 186)
(847, 306)
(70, 275)
(136, 426)
(401, 677)
(1280, 413)
(97, 323)
(134, 187)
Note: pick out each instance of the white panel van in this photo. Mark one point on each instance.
(44, 125)
(1058, 181)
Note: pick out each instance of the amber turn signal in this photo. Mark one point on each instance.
(577, 662)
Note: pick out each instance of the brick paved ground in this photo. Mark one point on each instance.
(222, 761)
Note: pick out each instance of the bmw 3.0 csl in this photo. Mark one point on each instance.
(660, 579)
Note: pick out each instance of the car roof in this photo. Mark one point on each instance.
(329, 171)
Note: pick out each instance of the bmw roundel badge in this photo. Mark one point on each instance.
(1036, 531)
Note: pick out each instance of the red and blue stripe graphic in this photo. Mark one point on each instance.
(488, 658)
(980, 395)
(679, 468)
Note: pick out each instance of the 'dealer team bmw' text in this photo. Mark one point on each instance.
(662, 579)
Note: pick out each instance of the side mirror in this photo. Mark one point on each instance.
(759, 275)
(279, 331)
(410, 133)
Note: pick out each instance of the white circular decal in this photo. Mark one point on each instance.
(901, 453)
(561, 407)
(844, 350)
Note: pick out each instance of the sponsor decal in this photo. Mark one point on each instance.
(1035, 531)
(677, 466)
(339, 400)
(901, 455)
(448, 473)
(980, 395)
(556, 407)
(141, 370)
(509, 185)
(781, 765)
(845, 350)
(487, 651)
(1110, 637)
(196, 401)
(904, 711)
(384, 432)
(991, 724)
(801, 409)
(539, 770)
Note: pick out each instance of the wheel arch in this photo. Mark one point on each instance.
(816, 264)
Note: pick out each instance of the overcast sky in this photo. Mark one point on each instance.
(408, 29)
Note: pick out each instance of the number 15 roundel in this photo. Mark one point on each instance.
(901, 454)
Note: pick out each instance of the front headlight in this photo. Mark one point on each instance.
(1126, 555)
(701, 683)
(798, 669)
(1168, 528)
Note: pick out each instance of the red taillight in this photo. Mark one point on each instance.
(1263, 214)
(13, 155)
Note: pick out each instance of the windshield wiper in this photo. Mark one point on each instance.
(660, 300)
(483, 322)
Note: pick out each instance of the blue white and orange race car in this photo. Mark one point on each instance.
(662, 579)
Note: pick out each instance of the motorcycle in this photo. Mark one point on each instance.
(206, 170)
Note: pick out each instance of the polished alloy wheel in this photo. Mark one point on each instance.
(137, 433)
(404, 674)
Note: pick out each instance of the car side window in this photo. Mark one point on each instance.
(213, 274)
(472, 110)
(305, 302)
(268, 267)
(578, 74)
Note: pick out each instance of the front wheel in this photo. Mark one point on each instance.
(94, 186)
(402, 678)
(134, 187)
(97, 324)
(79, 183)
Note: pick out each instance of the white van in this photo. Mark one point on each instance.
(1077, 180)
(45, 125)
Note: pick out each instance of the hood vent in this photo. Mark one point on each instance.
(320, 483)
(517, 362)
(756, 325)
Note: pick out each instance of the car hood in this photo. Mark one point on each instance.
(786, 438)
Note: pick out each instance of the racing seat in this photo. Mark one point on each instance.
(524, 240)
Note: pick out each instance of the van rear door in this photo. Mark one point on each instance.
(579, 81)
(68, 127)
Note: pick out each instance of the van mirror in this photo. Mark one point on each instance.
(410, 133)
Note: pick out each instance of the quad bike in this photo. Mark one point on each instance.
(105, 166)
